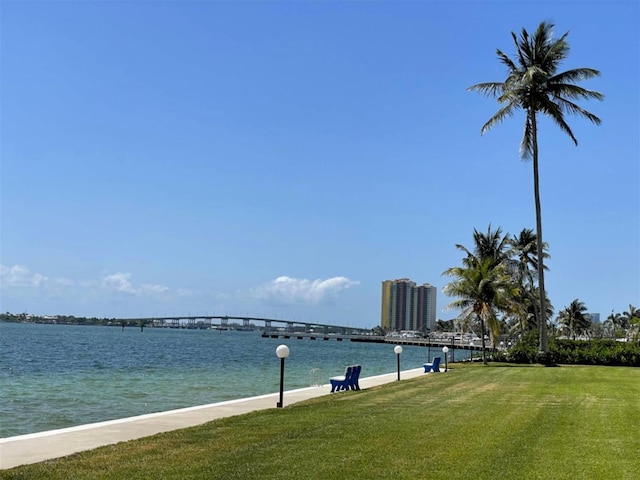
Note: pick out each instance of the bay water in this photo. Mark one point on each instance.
(57, 376)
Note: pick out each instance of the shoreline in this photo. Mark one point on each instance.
(79, 375)
(50, 444)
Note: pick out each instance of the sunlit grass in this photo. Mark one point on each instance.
(474, 422)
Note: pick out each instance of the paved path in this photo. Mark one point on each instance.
(37, 447)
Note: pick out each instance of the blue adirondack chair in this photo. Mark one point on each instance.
(432, 367)
(355, 375)
(341, 383)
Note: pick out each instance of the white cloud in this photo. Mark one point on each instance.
(19, 276)
(286, 290)
(120, 282)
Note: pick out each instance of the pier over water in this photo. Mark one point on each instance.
(436, 343)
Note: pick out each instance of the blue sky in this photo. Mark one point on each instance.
(282, 159)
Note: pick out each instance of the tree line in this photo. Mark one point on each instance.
(497, 293)
(57, 319)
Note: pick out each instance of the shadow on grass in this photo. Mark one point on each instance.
(500, 365)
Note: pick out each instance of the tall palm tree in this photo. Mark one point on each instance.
(534, 85)
(611, 324)
(479, 289)
(524, 247)
(524, 309)
(574, 318)
(483, 284)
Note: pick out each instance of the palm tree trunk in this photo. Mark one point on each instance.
(542, 319)
(532, 295)
(484, 356)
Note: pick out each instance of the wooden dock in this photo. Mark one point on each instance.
(323, 336)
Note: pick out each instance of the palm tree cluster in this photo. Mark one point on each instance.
(573, 322)
(496, 286)
(623, 325)
(535, 85)
(497, 292)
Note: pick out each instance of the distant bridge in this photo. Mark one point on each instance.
(222, 322)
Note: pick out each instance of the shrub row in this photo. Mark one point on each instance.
(576, 352)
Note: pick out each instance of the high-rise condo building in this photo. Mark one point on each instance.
(406, 306)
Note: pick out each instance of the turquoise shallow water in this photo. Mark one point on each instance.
(56, 376)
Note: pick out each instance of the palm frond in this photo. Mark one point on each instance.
(506, 60)
(463, 248)
(504, 112)
(573, 109)
(461, 304)
(526, 144)
(572, 91)
(574, 75)
(490, 89)
(543, 32)
(522, 46)
(553, 110)
(554, 53)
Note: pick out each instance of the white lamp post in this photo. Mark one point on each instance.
(445, 350)
(398, 350)
(282, 352)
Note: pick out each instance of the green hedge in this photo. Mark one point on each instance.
(576, 352)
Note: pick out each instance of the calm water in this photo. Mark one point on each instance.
(56, 376)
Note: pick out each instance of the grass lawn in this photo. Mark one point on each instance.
(474, 422)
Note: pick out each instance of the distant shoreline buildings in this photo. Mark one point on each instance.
(407, 306)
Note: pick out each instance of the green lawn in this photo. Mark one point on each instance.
(474, 422)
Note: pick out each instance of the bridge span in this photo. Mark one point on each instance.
(286, 329)
(222, 322)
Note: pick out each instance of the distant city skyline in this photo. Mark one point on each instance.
(279, 159)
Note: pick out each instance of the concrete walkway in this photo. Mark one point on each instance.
(37, 447)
